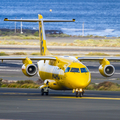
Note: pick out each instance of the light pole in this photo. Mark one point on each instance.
(21, 27)
(15, 26)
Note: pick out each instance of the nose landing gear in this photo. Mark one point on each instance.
(79, 92)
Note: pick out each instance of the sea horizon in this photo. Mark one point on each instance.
(100, 18)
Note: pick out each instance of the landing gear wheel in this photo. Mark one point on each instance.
(47, 92)
(77, 94)
(42, 91)
(81, 94)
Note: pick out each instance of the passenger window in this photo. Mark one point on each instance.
(75, 70)
(83, 70)
(67, 69)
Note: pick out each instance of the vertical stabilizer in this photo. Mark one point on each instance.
(43, 47)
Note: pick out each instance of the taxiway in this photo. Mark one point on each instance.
(28, 104)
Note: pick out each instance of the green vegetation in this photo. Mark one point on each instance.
(13, 42)
(20, 84)
(98, 43)
(3, 54)
(7, 34)
(0, 82)
(19, 53)
(58, 35)
(117, 55)
(109, 86)
(37, 53)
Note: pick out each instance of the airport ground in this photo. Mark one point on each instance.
(28, 104)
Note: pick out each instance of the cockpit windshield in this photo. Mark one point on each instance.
(78, 70)
(67, 69)
(83, 70)
(75, 70)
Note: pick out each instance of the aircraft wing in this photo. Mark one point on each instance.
(99, 58)
(32, 58)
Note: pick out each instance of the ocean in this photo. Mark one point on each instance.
(100, 17)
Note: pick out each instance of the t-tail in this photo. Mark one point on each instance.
(42, 38)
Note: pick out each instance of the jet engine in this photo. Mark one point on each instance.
(106, 69)
(28, 68)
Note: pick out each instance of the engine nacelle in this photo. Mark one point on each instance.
(106, 69)
(29, 70)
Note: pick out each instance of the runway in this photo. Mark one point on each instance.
(28, 104)
(66, 50)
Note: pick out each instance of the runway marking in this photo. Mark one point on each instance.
(34, 99)
(94, 98)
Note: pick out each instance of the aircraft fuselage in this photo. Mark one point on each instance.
(73, 74)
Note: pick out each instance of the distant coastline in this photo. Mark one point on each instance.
(49, 33)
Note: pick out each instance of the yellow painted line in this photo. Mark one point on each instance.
(34, 99)
(94, 98)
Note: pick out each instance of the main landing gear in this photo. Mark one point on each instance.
(79, 92)
(45, 91)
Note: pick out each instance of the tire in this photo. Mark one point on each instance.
(77, 94)
(42, 92)
(46, 93)
(81, 94)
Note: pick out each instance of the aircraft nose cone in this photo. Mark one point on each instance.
(76, 80)
(82, 80)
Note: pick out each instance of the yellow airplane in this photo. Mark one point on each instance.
(60, 72)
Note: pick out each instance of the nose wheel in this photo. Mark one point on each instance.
(79, 93)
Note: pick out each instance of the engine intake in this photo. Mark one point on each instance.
(29, 70)
(107, 70)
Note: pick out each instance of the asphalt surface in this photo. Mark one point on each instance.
(60, 49)
(63, 48)
(28, 104)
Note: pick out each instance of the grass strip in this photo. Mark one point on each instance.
(108, 86)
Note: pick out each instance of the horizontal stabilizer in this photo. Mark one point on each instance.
(38, 20)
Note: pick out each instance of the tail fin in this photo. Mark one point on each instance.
(43, 47)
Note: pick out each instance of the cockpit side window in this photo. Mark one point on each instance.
(75, 70)
(83, 70)
(67, 69)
